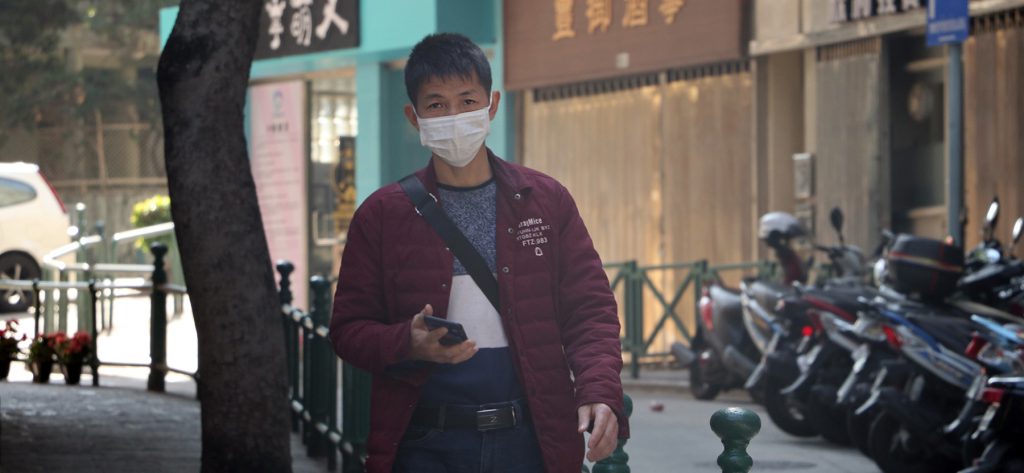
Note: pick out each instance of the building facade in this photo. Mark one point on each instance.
(869, 100)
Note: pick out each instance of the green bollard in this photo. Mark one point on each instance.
(617, 462)
(735, 426)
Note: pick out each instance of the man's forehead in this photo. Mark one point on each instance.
(451, 84)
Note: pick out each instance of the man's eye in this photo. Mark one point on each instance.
(469, 102)
(433, 106)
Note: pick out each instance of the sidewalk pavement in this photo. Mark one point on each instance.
(54, 428)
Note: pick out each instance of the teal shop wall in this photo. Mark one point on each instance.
(387, 147)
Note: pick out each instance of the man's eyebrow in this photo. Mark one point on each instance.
(434, 95)
(467, 92)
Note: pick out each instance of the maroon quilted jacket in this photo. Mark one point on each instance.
(557, 309)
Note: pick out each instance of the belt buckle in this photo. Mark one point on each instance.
(491, 419)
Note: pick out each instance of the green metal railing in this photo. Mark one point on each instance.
(316, 393)
(94, 256)
(638, 284)
(158, 290)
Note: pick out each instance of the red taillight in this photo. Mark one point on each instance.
(892, 337)
(992, 395)
(815, 318)
(807, 331)
(63, 208)
(973, 348)
(707, 311)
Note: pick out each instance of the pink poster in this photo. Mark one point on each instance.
(277, 148)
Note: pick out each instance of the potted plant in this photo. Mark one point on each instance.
(42, 353)
(73, 353)
(9, 350)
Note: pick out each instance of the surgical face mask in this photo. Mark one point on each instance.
(456, 138)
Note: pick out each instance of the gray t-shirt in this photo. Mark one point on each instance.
(489, 376)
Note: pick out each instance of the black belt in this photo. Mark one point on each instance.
(482, 418)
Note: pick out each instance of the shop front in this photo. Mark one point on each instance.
(325, 121)
(643, 109)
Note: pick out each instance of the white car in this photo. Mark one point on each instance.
(33, 222)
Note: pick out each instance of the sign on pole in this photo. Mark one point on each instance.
(948, 22)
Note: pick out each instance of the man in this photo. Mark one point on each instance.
(518, 395)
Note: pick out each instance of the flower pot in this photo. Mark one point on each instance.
(5, 366)
(72, 371)
(41, 371)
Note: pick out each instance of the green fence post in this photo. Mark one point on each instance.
(700, 272)
(355, 416)
(308, 380)
(158, 321)
(735, 426)
(635, 316)
(332, 411)
(48, 305)
(177, 276)
(618, 461)
(320, 353)
(61, 321)
(94, 361)
(291, 335)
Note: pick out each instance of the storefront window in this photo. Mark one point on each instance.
(333, 128)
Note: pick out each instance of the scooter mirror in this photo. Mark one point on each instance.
(993, 213)
(836, 216)
(1018, 227)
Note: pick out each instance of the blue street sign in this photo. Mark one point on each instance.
(948, 22)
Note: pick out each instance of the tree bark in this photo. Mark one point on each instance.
(203, 77)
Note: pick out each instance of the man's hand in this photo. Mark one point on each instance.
(426, 345)
(605, 435)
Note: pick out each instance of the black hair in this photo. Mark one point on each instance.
(445, 55)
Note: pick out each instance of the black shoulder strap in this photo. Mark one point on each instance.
(426, 205)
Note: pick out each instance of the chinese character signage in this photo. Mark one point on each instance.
(550, 42)
(290, 27)
(851, 10)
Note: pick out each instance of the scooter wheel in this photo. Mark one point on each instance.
(895, 450)
(826, 417)
(859, 426)
(786, 414)
(699, 385)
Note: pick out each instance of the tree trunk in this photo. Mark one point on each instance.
(203, 76)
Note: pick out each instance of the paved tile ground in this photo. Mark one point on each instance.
(57, 428)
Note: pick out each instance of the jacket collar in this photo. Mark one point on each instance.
(508, 176)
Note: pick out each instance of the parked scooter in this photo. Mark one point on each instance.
(935, 377)
(723, 351)
(999, 436)
(798, 364)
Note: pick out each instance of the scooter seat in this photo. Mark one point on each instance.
(952, 332)
(767, 294)
(846, 299)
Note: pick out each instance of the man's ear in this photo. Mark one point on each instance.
(495, 100)
(410, 114)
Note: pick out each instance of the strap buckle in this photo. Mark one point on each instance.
(417, 206)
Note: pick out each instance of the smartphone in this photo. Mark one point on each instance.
(456, 334)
